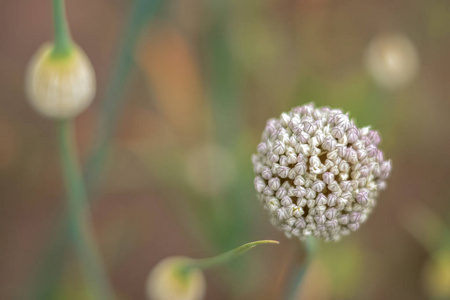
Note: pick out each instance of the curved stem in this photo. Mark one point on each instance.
(297, 278)
(63, 40)
(79, 215)
(205, 263)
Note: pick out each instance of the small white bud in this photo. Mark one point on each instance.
(267, 191)
(332, 200)
(329, 144)
(259, 184)
(344, 167)
(353, 226)
(285, 119)
(318, 186)
(352, 135)
(330, 213)
(299, 191)
(281, 193)
(310, 194)
(354, 216)
(274, 183)
(167, 281)
(362, 197)
(337, 132)
(262, 148)
(60, 87)
(302, 202)
(303, 137)
(278, 148)
(284, 160)
(334, 186)
(392, 60)
(328, 177)
(300, 223)
(283, 171)
(343, 219)
(286, 201)
(300, 168)
(266, 174)
(322, 200)
(273, 157)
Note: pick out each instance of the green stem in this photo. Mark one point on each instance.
(79, 215)
(141, 13)
(114, 99)
(298, 275)
(63, 40)
(206, 263)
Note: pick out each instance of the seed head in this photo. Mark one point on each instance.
(317, 173)
(60, 87)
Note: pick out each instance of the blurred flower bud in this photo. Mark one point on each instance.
(60, 87)
(392, 60)
(171, 280)
(437, 275)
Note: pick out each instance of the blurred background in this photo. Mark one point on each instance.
(186, 87)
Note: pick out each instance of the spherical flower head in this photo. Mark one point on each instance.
(317, 174)
(60, 87)
(169, 280)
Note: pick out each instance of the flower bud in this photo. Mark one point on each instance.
(436, 274)
(170, 280)
(60, 87)
(392, 60)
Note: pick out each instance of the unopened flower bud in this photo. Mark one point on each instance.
(60, 87)
(392, 60)
(171, 280)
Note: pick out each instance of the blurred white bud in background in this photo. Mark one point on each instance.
(60, 87)
(392, 60)
(167, 281)
(436, 275)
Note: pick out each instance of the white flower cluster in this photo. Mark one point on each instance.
(317, 173)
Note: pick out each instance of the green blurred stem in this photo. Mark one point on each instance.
(112, 102)
(299, 274)
(114, 99)
(63, 41)
(79, 215)
(206, 263)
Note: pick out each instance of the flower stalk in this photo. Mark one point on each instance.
(206, 263)
(80, 223)
(79, 214)
(182, 277)
(142, 12)
(63, 41)
(299, 274)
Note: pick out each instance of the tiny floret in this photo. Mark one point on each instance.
(317, 174)
(60, 87)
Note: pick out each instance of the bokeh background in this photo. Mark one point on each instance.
(194, 82)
